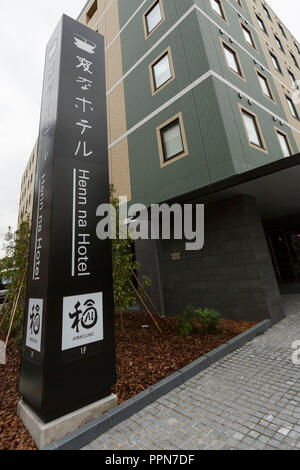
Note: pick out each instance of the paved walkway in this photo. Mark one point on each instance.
(248, 400)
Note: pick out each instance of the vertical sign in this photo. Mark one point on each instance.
(68, 358)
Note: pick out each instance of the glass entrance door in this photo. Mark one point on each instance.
(285, 252)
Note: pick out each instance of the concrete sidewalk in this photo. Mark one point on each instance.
(248, 400)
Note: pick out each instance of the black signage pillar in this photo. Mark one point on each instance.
(68, 358)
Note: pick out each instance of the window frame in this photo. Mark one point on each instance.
(279, 43)
(88, 15)
(148, 34)
(280, 131)
(151, 71)
(271, 98)
(222, 17)
(163, 162)
(241, 74)
(264, 148)
(293, 79)
(289, 99)
(281, 29)
(295, 62)
(253, 43)
(279, 69)
(267, 12)
(262, 25)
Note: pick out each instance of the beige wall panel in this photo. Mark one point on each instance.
(272, 27)
(101, 6)
(102, 26)
(297, 138)
(117, 117)
(112, 21)
(93, 21)
(119, 169)
(114, 63)
(285, 79)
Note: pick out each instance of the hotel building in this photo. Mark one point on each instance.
(203, 107)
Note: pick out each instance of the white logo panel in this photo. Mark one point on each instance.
(82, 320)
(34, 324)
(84, 44)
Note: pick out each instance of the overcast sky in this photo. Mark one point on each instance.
(25, 27)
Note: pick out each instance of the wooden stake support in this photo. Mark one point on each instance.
(14, 309)
(2, 308)
(147, 310)
(147, 295)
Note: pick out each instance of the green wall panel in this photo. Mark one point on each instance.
(217, 142)
(151, 183)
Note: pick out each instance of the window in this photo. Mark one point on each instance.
(162, 71)
(282, 30)
(267, 12)
(218, 8)
(153, 17)
(248, 36)
(293, 79)
(275, 63)
(91, 11)
(232, 60)
(261, 24)
(284, 143)
(239, 3)
(171, 140)
(279, 43)
(266, 89)
(294, 60)
(252, 128)
(292, 108)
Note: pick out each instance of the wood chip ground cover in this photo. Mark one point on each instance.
(143, 357)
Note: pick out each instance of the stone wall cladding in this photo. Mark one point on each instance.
(233, 273)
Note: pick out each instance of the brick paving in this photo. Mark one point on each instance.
(248, 400)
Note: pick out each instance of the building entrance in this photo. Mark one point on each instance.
(285, 252)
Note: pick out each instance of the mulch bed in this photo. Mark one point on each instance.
(144, 357)
(13, 434)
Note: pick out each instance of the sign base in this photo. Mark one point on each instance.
(45, 434)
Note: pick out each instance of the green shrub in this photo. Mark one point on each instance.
(186, 321)
(209, 319)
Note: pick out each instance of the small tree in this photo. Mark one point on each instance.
(14, 266)
(124, 265)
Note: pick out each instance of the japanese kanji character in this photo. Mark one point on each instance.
(35, 320)
(85, 64)
(88, 318)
